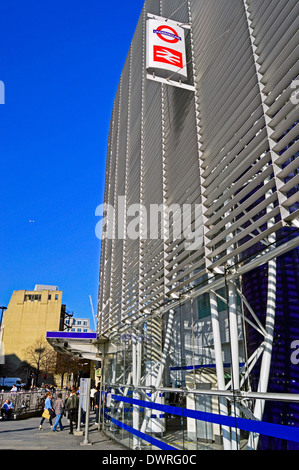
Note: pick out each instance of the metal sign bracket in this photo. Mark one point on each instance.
(167, 81)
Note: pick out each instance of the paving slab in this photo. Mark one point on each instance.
(24, 434)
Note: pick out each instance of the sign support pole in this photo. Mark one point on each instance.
(85, 387)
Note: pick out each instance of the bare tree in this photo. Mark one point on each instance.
(41, 357)
(70, 365)
(64, 365)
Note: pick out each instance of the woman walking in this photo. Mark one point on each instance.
(48, 410)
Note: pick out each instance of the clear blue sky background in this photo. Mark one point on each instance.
(60, 61)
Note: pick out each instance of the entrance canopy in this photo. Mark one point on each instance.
(85, 345)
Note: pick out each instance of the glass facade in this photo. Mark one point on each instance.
(174, 402)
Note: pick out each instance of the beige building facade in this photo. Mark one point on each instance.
(30, 314)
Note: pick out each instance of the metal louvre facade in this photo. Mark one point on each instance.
(202, 188)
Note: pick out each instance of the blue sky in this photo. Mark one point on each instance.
(60, 61)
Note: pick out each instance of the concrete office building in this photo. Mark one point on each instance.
(29, 315)
(78, 325)
(198, 321)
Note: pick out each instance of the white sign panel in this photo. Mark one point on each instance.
(84, 393)
(166, 50)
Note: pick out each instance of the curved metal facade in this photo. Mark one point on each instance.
(228, 149)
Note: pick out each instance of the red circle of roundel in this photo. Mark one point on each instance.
(161, 36)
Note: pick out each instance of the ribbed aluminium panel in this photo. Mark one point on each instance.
(175, 10)
(129, 302)
(103, 273)
(231, 147)
(278, 53)
(117, 259)
(151, 255)
(152, 248)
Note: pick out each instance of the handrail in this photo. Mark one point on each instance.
(239, 394)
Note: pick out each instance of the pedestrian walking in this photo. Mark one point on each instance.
(92, 403)
(58, 408)
(97, 400)
(48, 412)
(72, 405)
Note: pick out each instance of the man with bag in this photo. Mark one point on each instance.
(72, 405)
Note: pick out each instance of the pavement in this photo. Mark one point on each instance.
(24, 434)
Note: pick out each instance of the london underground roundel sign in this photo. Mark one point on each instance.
(166, 51)
(168, 34)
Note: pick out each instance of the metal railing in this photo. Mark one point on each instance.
(27, 403)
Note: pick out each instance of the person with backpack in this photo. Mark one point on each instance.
(72, 405)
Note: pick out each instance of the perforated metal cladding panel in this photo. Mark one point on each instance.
(130, 273)
(242, 204)
(275, 44)
(152, 249)
(231, 147)
(103, 273)
(122, 146)
(228, 94)
(152, 252)
(111, 200)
